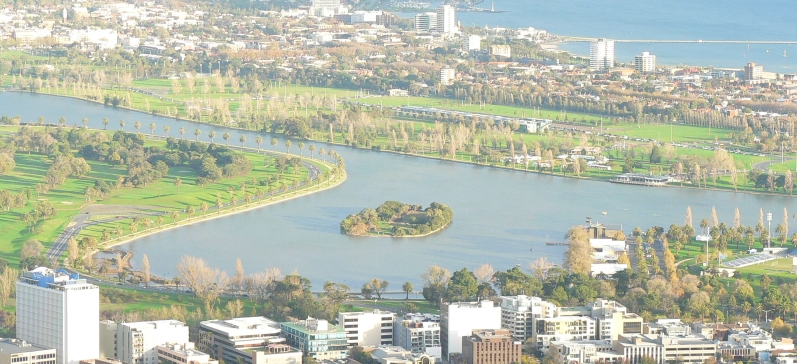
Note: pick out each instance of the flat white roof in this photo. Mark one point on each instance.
(243, 325)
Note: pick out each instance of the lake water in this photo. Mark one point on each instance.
(661, 20)
(499, 215)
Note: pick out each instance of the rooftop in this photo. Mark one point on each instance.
(16, 346)
(45, 277)
(312, 325)
(243, 325)
(153, 325)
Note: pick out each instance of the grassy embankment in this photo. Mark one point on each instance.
(161, 196)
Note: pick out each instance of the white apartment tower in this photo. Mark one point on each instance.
(446, 19)
(426, 21)
(447, 76)
(645, 62)
(56, 309)
(519, 312)
(458, 320)
(137, 342)
(327, 8)
(601, 54)
(472, 42)
(373, 328)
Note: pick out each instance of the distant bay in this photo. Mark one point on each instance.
(657, 20)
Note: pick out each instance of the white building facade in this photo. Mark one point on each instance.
(56, 309)
(137, 342)
(447, 20)
(372, 328)
(518, 314)
(601, 54)
(645, 62)
(426, 22)
(458, 320)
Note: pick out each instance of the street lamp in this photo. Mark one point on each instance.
(769, 236)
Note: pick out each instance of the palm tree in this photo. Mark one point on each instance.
(321, 153)
(175, 215)
(288, 146)
(301, 148)
(204, 207)
(137, 125)
(105, 122)
(226, 137)
(242, 139)
(258, 140)
(211, 135)
(85, 122)
(121, 124)
(197, 132)
(166, 130)
(182, 132)
(274, 143)
(190, 211)
(312, 150)
(41, 120)
(177, 182)
(62, 121)
(151, 129)
(159, 220)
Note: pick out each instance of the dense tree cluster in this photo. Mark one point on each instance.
(404, 219)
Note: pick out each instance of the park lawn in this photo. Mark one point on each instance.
(676, 133)
(162, 195)
(397, 305)
(152, 300)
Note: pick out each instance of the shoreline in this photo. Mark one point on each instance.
(405, 236)
(541, 173)
(226, 213)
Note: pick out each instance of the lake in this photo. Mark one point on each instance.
(499, 215)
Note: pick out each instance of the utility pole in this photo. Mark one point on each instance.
(769, 236)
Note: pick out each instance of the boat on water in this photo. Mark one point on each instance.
(605, 212)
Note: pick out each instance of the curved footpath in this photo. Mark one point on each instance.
(81, 221)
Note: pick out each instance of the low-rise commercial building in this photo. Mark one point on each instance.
(612, 319)
(182, 354)
(316, 338)
(388, 354)
(584, 351)
(238, 338)
(491, 347)
(15, 351)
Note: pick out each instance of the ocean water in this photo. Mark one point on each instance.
(661, 20)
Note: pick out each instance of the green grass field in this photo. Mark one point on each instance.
(162, 195)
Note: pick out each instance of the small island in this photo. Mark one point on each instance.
(394, 218)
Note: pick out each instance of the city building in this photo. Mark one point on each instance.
(388, 354)
(426, 21)
(753, 72)
(277, 354)
(669, 327)
(645, 62)
(562, 328)
(238, 338)
(501, 50)
(612, 319)
(137, 342)
(419, 333)
(327, 8)
(601, 54)
(472, 43)
(446, 19)
(316, 338)
(665, 349)
(56, 309)
(184, 353)
(15, 351)
(372, 328)
(458, 320)
(101, 361)
(491, 347)
(518, 314)
(583, 351)
(447, 76)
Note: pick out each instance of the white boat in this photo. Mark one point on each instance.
(605, 212)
